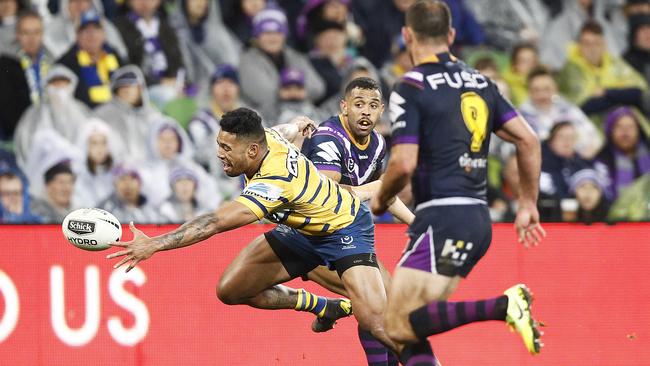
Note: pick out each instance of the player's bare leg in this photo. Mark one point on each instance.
(417, 308)
(330, 279)
(254, 277)
(365, 289)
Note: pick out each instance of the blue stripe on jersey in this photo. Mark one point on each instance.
(264, 210)
(340, 198)
(325, 228)
(329, 191)
(284, 200)
(304, 189)
(320, 185)
(352, 207)
(307, 220)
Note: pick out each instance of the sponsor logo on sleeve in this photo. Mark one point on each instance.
(265, 191)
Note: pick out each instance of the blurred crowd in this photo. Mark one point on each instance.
(115, 103)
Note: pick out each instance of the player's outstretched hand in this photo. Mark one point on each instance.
(529, 230)
(305, 125)
(135, 251)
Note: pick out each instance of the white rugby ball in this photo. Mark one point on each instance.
(91, 228)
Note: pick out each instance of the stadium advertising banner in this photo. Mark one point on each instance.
(60, 305)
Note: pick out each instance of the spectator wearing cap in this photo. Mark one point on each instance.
(588, 188)
(130, 113)
(59, 110)
(14, 200)
(596, 79)
(204, 40)
(151, 41)
(59, 188)
(61, 28)
(183, 204)
(22, 78)
(626, 154)
(260, 65)
(238, 16)
(329, 57)
(92, 60)
(638, 52)
(127, 202)
(204, 125)
(293, 97)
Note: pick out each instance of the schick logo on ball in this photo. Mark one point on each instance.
(81, 227)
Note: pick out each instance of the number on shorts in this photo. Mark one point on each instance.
(475, 114)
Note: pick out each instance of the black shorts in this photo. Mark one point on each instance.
(448, 240)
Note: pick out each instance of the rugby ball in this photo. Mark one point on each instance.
(91, 228)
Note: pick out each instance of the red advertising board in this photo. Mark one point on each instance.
(62, 306)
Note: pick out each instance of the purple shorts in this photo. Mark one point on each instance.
(448, 240)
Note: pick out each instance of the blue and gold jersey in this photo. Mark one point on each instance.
(288, 189)
(449, 110)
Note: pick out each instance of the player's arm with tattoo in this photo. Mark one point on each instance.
(230, 216)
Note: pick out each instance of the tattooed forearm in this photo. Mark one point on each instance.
(194, 231)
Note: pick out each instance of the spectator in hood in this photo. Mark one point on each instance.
(21, 79)
(626, 154)
(100, 151)
(293, 98)
(638, 52)
(183, 205)
(151, 41)
(92, 60)
(59, 111)
(589, 190)
(261, 64)
(203, 38)
(59, 188)
(130, 113)
(169, 146)
(128, 202)
(62, 28)
(316, 12)
(14, 200)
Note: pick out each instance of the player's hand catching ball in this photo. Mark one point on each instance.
(135, 251)
(529, 230)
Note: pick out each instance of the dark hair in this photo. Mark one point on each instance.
(556, 127)
(60, 168)
(9, 175)
(243, 122)
(28, 13)
(485, 62)
(92, 166)
(538, 71)
(429, 19)
(591, 26)
(362, 83)
(520, 47)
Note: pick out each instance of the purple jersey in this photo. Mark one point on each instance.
(332, 148)
(450, 110)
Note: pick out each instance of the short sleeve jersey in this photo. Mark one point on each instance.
(288, 189)
(333, 148)
(449, 110)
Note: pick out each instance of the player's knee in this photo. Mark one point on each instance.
(398, 329)
(226, 292)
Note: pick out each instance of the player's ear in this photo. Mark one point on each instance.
(406, 34)
(343, 105)
(253, 150)
(451, 36)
